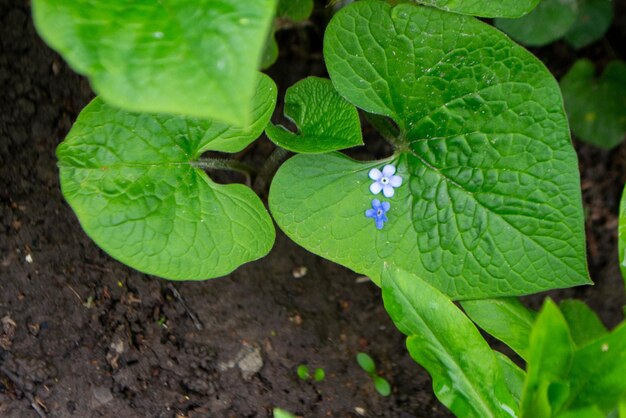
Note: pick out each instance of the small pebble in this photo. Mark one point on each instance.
(360, 411)
(102, 395)
(299, 272)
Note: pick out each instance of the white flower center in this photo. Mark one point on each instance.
(379, 212)
(384, 180)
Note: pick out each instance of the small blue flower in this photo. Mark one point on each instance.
(378, 212)
(384, 180)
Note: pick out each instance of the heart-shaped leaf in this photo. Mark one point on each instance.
(549, 21)
(596, 106)
(325, 120)
(133, 181)
(490, 201)
(467, 375)
(484, 8)
(196, 58)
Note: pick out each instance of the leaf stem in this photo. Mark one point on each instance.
(223, 164)
(387, 129)
(268, 168)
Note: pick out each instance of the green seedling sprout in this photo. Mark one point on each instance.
(380, 383)
(303, 373)
(281, 413)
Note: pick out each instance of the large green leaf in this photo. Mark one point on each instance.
(596, 106)
(490, 204)
(132, 180)
(593, 19)
(326, 122)
(484, 8)
(549, 21)
(467, 375)
(197, 58)
(549, 359)
(506, 319)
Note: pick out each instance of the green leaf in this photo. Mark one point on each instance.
(366, 363)
(296, 10)
(270, 51)
(622, 408)
(549, 21)
(549, 359)
(513, 376)
(325, 120)
(583, 323)
(482, 211)
(196, 58)
(281, 413)
(596, 106)
(621, 241)
(588, 412)
(484, 8)
(506, 319)
(382, 386)
(466, 373)
(594, 19)
(133, 182)
(319, 375)
(303, 372)
(598, 370)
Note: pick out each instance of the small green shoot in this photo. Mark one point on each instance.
(303, 373)
(380, 383)
(281, 413)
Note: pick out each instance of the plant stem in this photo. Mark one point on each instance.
(268, 168)
(223, 164)
(387, 129)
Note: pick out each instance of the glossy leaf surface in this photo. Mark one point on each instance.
(446, 343)
(490, 200)
(596, 106)
(484, 8)
(325, 120)
(196, 58)
(133, 182)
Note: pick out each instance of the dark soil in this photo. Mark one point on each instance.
(84, 336)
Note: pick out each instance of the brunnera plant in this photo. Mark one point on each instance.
(479, 202)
